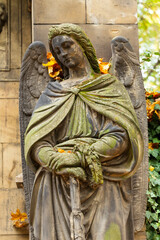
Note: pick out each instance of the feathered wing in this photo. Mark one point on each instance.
(33, 80)
(125, 66)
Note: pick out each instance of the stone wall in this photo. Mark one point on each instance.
(101, 20)
(14, 39)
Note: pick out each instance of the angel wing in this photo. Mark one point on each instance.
(34, 78)
(126, 68)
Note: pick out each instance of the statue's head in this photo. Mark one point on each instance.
(76, 43)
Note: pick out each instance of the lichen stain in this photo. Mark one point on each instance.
(113, 232)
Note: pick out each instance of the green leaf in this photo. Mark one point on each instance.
(157, 107)
(154, 152)
(148, 214)
(158, 129)
(146, 59)
(157, 53)
(157, 181)
(154, 225)
(156, 140)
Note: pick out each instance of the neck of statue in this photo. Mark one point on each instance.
(83, 70)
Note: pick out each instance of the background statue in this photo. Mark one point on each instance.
(90, 118)
(3, 16)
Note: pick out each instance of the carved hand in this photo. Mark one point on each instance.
(63, 160)
(61, 163)
(68, 164)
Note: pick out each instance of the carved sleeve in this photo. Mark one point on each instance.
(112, 143)
(42, 153)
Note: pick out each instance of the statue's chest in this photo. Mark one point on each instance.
(82, 121)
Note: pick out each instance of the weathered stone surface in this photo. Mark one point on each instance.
(15, 25)
(141, 235)
(4, 43)
(1, 165)
(10, 200)
(10, 52)
(9, 89)
(12, 75)
(100, 36)
(19, 180)
(9, 119)
(11, 164)
(14, 40)
(111, 11)
(58, 12)
(12, 237)
(26, 27)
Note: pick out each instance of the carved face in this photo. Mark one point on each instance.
(68, 51)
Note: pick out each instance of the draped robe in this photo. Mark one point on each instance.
(94, 111)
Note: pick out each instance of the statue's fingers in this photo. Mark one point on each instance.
(68, 162)
(77, 172)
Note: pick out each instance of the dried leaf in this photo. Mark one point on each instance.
(153, 145)
(152, 94)
(54, 68)
(19, 219)
(104, 66)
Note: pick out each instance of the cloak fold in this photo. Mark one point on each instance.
(105, 95)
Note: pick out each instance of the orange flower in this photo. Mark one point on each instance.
(154, 94)
(151, 168)
(157, 112)
(153, 145)
(53, 67)
(104, 66)
(49, 55)
(61, 150)
(19, 219)
(150, 109)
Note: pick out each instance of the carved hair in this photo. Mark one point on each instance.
(78, 34)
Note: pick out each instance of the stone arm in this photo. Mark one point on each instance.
(111, 145)
(87, 154)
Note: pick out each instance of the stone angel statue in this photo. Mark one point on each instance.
(82, 141)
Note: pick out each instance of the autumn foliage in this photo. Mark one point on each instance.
(19, 219)
(153, 104)
(153, 204)
(55, 70)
